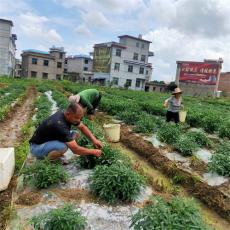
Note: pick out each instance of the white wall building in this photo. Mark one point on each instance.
(124, 63)
(79, 68)
(7, 48)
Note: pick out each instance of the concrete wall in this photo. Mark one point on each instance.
(197, 89)
(77, 65)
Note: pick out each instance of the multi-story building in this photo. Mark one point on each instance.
(123, 63)
(78, 68)
(7, 48)
(43, 65)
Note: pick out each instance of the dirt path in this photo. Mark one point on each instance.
(10, 136)
(10, 128)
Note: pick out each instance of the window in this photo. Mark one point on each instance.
(59, 65)
(137, 44)
(143, 46)
(135, 56)
(128, 82)
(115, 80)
(58, 77)
(143, 58)
(138, 83)
(118, 52)
(33, 74)
(45, 62)
(147, 72)
(66, 61)
(86, 61)
(45, 75)
(34, 61)
(117, 66)
(141, 71)
(130, 68)
(85, 68)
(60, 55)
(154, 88)
(65, 70)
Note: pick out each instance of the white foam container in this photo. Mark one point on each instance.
(7, 164)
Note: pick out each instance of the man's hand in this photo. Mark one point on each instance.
(97, 144)
(96, 152)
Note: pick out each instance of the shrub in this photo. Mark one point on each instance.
(108, 157)
(130, 117)
(177, 214)
(200, 138)
(42, 173)
(65, 218)
(146, 124)
(115, 183)
(185, 145)
(220, 160)
(169, 133)
(210, 122)
(224, 130)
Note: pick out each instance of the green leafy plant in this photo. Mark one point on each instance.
(177, 214)
(65, 218)
(146, 124)
(116, 183)
(220, 160)
(200, 138)
(169, 133)
(224, 130)
(43, 173)
(185, 145)
(44, 109)
(109, 156)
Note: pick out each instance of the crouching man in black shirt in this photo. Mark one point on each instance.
(53, 136)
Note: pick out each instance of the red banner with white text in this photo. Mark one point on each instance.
(199, 73)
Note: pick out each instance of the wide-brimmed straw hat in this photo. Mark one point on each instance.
(177, 90)
(74, 98)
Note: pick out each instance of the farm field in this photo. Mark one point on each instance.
(156, 168)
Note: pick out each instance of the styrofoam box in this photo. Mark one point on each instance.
(7, 164)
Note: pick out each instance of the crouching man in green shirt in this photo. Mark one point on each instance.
(89, 99)
(53, 136)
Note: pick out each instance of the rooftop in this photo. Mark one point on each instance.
(35, 51)
(109, 44)
(6, 21)
(79, 56)
(136, 38)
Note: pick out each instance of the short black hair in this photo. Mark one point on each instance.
(72, 108)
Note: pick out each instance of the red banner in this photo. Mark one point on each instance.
(199, 73)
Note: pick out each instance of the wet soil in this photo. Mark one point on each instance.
(29, 198)
(10, 134)
(211, 196)
(75, 194)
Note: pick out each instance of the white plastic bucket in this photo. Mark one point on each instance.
(7, 163)
(112, 132)
(182, 116)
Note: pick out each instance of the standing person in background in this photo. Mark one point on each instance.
(173, 105)
(89, 99)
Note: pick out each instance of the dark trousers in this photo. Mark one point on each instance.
(95, 104)
(172, 116)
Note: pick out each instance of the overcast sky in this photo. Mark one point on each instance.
(178, 29)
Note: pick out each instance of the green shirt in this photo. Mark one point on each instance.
(87, 97)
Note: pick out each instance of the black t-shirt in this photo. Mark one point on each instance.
(55, 127)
